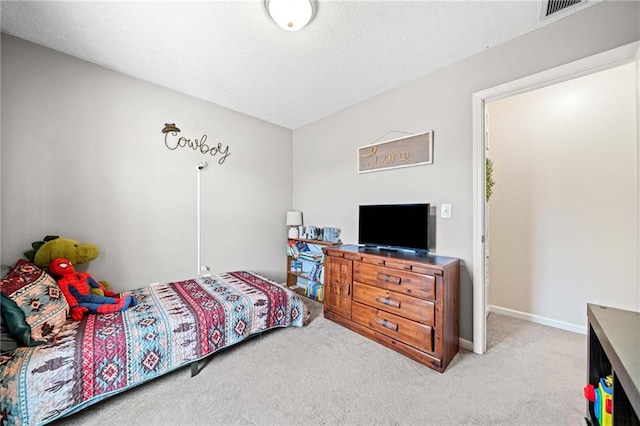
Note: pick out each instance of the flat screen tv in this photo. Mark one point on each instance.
(394, 226)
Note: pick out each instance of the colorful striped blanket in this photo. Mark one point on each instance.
(173, 325)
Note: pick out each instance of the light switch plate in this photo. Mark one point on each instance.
(445, 211)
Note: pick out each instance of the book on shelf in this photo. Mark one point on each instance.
(296, 266)
(315, 290)
(296, 248)
(302, 246)
(316, 273)
(312, 256)
(292, 250)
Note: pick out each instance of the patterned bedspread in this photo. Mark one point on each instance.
(172, 325)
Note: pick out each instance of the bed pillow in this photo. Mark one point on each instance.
(39, 304)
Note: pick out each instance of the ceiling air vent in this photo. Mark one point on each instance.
(551, 7)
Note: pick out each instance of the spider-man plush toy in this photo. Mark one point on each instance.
(75, 287)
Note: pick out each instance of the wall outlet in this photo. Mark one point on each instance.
(205, 271)
(445, 211)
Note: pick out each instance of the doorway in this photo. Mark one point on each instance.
(564, 215)
(606, 60)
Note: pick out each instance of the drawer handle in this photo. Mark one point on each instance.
(388, 302)
(345, 290)
(387, 278)
(408, 267)
(387, 324)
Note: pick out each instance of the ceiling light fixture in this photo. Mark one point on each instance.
(291, 15)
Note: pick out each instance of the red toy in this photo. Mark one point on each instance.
(76, 289)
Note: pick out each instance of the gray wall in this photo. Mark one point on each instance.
(83, 156)
(327, 188)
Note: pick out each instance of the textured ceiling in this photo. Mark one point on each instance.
(232, 54)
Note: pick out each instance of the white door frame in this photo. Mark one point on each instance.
(599, 62)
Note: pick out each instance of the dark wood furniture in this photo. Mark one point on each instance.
(405, 301)
(614, 349)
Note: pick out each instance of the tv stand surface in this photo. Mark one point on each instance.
(398, 250)
(406, 301)
(391, 249)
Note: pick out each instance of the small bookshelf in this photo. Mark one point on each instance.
(305, 266)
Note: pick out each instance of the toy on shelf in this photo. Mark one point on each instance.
(602, 399)
(75, 287)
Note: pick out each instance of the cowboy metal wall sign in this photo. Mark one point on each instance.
(197, 145)
(407, 151)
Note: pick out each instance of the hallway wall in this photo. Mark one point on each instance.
(563, 219)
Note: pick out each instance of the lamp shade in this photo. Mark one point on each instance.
(294, 218)
(290, 15)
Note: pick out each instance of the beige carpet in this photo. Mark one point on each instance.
(326, 374)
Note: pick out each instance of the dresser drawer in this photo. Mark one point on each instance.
(412, 333)
(397, 303)
(410, 283)
(333, 252)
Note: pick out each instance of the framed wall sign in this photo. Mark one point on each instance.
(407, 151)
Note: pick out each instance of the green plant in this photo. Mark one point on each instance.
(489, 178)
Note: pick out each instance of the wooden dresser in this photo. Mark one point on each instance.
(407, 302)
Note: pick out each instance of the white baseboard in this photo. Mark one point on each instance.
(538, 319)
(465, 344)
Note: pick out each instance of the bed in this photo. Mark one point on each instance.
(172, 326)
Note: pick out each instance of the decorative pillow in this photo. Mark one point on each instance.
(7, 342)
(41, 304)
(15, 324)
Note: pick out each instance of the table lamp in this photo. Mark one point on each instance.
(294, 219)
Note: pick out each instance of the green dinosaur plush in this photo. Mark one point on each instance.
(53, 247)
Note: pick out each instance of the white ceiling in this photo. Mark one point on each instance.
(232, 54)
